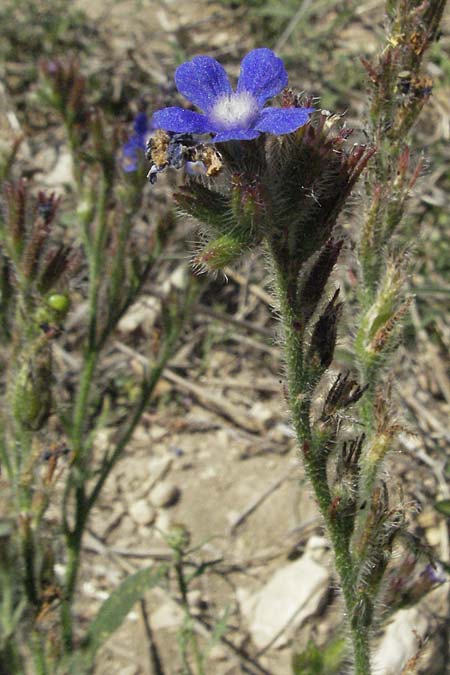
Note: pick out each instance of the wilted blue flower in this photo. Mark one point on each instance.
(136, 144)
(430, 574)
(232, 115)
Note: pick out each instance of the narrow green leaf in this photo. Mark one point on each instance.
(115, 608)
(443, 507)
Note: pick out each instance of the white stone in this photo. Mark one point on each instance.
(165, 494)
(294, 593)
(142, 512)
(163, 523)
(209, 473)
(62, 173)
(129, 670)
(195, 600)
(143, 313)
(218, 653)
(400, 642)
(317, 548)
(156, 432)
(179, 277)
(158, 466)
(261, 412)
(168, 615)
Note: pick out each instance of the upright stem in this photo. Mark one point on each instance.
(183, 587)
(76, 481)
(301, 383)
(81, 401)
(72, 565)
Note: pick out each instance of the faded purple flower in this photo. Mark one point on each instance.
(430, 575)
(136, 144)
(232, 115)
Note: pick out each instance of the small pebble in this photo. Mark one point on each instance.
(196, 602)
(163, 523)
(165, 494)
(218, 653)
(142, 512)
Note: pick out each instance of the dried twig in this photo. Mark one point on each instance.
(258, 501)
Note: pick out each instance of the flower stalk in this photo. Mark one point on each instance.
(297, 228)
(287, 191)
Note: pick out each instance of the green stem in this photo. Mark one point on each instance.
(74, 147)
(361, 651)
(28, 555)
(96, 259)
(183, 588)
(72, 566)
(39, 660)
(302, 379)
(81, 401)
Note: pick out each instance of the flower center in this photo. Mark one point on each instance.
(234, 110)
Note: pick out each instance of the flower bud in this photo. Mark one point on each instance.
(379, 324)
(344, 392)
(63, 88)
(57, 262)
(247, 202)
(205, 205)
(15, 212)
(323, 339)
(313, 286)
(220, 252)
(32, 396)
(178, 537)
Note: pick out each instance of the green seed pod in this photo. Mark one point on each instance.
(32, 390)
(60, 303)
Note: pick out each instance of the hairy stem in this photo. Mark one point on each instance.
(301, 384)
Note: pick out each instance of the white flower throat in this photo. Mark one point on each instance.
(234, 110)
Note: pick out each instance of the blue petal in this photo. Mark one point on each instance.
(129, 165)
(141, 123)
(136, 142)
(202, 81)
(131, 151)
(262, 74)
(236, 135)
(282, 120)
(181, 121)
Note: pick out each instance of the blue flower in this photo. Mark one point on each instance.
(232, 115)
(431, 575)
(136, 144)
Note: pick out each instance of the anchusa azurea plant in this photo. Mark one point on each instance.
(284, 176)
(277, 177)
